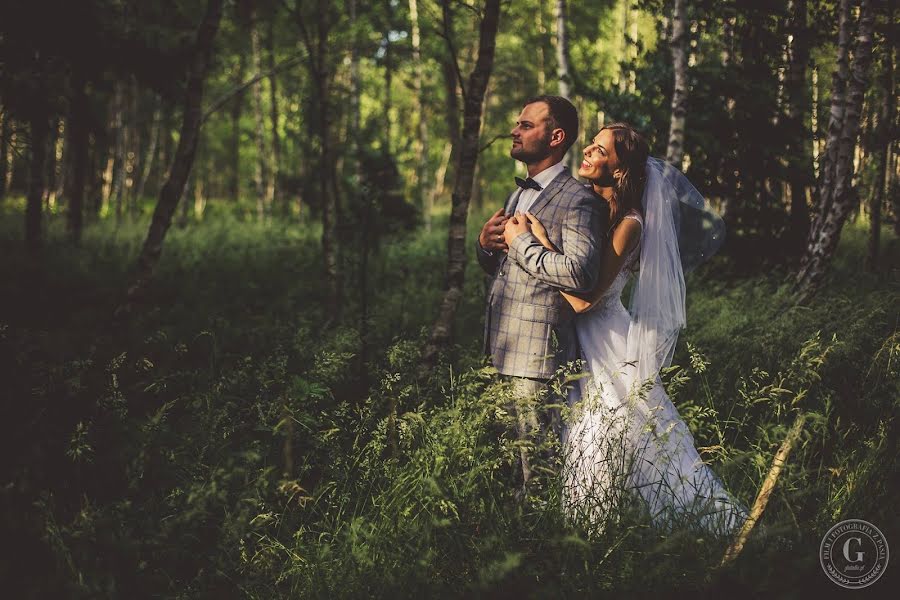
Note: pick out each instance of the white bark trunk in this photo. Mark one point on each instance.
(678, 44)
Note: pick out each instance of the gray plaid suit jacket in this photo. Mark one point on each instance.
(529, 329)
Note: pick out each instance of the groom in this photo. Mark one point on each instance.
(529, 329)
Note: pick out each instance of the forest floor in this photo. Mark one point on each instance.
(220, 442)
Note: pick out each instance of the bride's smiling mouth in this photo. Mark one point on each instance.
(586, 165)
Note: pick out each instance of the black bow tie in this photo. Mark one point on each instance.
(528, 184)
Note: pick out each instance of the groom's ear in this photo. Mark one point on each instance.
(557, 137)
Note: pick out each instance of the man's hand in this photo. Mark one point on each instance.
(514, 227)
(491, 238)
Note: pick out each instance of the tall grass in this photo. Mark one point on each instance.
(222, 444)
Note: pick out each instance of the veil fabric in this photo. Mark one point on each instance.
(680, 231)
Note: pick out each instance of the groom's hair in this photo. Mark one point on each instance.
(561, 113)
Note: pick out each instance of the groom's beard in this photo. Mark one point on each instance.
(532, 155)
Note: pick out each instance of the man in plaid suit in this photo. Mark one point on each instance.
(529, 330)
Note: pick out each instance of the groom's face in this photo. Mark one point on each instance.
(532, 135)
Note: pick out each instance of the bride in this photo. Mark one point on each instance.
(624, 434)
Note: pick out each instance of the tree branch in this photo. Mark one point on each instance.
(224, 98)
(447, 34)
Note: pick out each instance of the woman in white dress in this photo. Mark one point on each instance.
(624, 435)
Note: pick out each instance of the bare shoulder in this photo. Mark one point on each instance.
(627, 233)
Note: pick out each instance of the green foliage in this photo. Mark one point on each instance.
(222, 443)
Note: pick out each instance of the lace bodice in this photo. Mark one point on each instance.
(613, 296)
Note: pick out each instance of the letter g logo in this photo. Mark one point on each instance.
(859, 555)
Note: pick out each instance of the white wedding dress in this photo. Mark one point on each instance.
(623, 441)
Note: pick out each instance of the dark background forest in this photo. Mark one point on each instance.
(241, 319)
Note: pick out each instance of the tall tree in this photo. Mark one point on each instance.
(562, 50)
(37, 168)
(260, 172)
(452, 80)
(799, 158)
(317, 22)
(421, 141)
(678, 45)
(237, 107)
(273, 190)
(5, 142)
(173, 189)
(79, 143)
(563, 75)
(473, 98)
(146, 163)
(837, 195)
(883, 138)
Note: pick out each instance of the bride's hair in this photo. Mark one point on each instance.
(632, 150)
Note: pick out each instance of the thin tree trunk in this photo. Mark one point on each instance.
(316, 41)
(5, 139)
(259, 173)
(798, 150)
(562, 51)
(59, 165)
(389, 81)
(678, 45)
(883, 138)
(173, 189)
(421, 142)
(121, 146)
(440, 176)
(632, 46)
(468, 157)
(765, 491)
(36, 169)
(53, 136)
(79, 144)
(273, 190)
(150, 154)
(237, 105)
(838, 197)
(563, 74)
(541, 58)
(452, 84)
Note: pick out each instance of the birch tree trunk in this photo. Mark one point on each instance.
(563, 73)
(452, 83)
(883, 138)
(837, 194)
(678, 46)
(315, 34)
(799, 149)
(51, 164)
(173, 188)
(421, 142)
(5, 135)
(150, 155)
(259, 173)
(36, 180)
(60, 164)
(462, 190)
(273, 191)
(237, 106)
(562, 50)
(79, 148)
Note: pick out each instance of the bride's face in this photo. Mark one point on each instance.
(600, 161)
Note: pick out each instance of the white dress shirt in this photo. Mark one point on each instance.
(543, 179)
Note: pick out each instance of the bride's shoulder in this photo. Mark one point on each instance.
(634, 215)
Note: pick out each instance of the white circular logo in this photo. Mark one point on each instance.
(854, 553)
